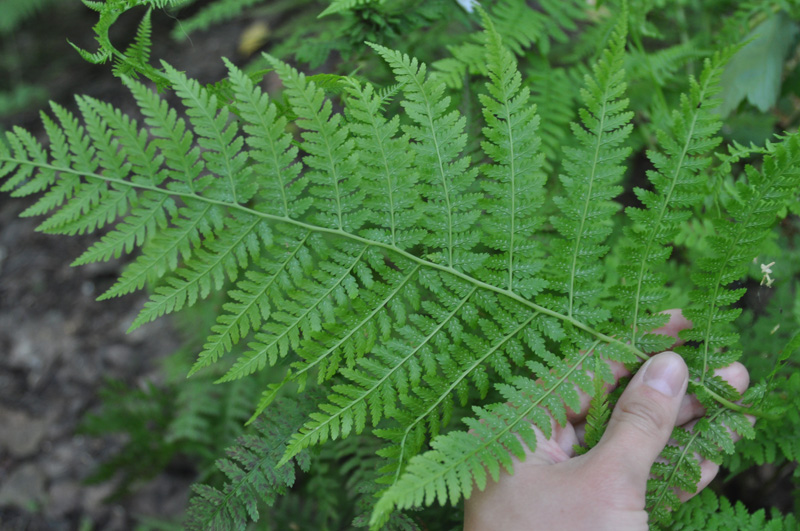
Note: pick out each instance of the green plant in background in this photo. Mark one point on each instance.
(15, 93)
(398, 265)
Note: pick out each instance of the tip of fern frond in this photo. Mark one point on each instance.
(198, 365)
(285, 459)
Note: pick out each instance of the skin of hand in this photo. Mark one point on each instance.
(605, 488)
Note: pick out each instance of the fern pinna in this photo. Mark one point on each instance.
(369, 256)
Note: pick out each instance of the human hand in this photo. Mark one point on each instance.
(553, 489)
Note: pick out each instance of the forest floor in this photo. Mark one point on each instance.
(58, 346)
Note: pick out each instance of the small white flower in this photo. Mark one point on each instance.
(766, 270)
(468, 5)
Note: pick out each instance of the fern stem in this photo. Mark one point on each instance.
(512, 173)
(366, 241)
(452, 386)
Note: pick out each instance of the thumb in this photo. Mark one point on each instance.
(645, 415)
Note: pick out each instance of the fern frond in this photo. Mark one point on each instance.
(747, 223)
(310, 308)
(379, 380)
(252, 473)
(439, 140)
(337, 6)
(252, 303)
(137, 55)
(387, 165)
(331, 158)
(593, 171)
(677, 186)
(460, 460)
(210, 266)
(678, 468)
(271, 146)
(514, 185)
(218, 138)
(742, 230)
(711, 512)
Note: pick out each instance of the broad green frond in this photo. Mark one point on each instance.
(593, 172)
(395, 272)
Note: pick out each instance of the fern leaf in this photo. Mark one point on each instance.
(386, 164)
(209, 267)
(430, 408)
(218, 138)
(439, 139)
(514, 182)
(330, 156)
(676, 180)
(746, 225)
(376, 384)
(337, 6)
(710, 512)
(762, 196)
(182, 158)
(460, 460)
(251, 304)
(270, 146)
(710, 438)
(252, 472)
(308, 309)
(593, 171)
(190, 225)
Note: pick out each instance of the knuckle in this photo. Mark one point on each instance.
(649, 418)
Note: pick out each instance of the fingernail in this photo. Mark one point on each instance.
(665, 373)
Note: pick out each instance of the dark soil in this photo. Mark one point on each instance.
(57, 344)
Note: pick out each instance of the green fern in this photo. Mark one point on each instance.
(252, 474)
(694, 516)
(369, 257)
(337, 6)
(15, 13)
